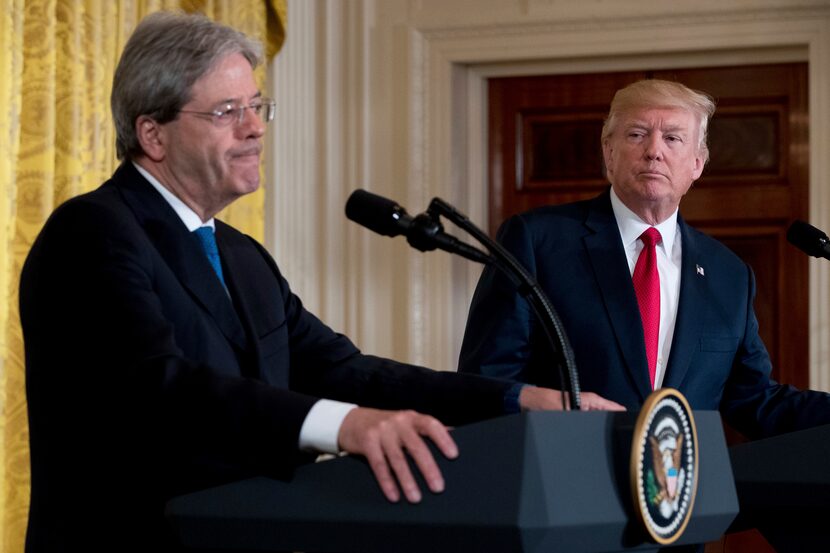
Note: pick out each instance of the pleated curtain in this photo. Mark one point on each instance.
(57, 140)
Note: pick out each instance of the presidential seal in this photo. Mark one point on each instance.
(664, 465)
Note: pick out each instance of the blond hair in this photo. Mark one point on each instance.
(656, 93)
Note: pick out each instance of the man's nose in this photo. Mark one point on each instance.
(251, 125)
(654, 148)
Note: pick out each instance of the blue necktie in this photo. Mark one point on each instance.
(208, 242)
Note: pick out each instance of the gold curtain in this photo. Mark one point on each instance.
(57, 58)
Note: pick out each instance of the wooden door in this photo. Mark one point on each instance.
(544, 147)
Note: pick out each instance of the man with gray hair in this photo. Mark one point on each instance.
(646, 300)
(165, 352)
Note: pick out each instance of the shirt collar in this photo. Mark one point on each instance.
(631, 226)
(187, 215)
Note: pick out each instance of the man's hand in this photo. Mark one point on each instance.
(533, 398)
(385, 437)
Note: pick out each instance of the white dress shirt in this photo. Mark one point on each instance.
(322, 424)
(669, 255)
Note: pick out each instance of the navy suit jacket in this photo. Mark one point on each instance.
(717, 358)
(146, 379)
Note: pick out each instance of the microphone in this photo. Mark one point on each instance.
(377, 213)
(809, 239)
(423, 232)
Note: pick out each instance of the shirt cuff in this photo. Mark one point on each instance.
(511, 398)
(322, 426)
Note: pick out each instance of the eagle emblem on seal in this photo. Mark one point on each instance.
(666, 451)
(663, 468)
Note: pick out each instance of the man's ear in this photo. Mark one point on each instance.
(699, 165)
(607, 155)
(151, 137)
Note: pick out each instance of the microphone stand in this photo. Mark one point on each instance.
(527, 286)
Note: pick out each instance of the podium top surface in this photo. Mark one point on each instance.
(546, 481)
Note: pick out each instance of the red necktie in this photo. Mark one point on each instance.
(647, 287)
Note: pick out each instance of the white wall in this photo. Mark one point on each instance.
(389, 95)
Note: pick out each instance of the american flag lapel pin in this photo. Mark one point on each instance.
(700, 270)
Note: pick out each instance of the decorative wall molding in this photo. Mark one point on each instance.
(614, 22)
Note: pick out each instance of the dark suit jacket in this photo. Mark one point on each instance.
(145, 380)
(717, 359)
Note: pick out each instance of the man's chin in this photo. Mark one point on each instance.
(654, 188)
(247, 184)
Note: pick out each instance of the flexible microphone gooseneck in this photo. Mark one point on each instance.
(425, 233)
(545, 313)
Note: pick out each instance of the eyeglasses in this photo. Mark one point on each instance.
(265, 108)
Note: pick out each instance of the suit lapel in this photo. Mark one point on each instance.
(237, 256)
(610, 267)
(180, 250)
(688, 327)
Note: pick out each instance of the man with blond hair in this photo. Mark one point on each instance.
(646, 300)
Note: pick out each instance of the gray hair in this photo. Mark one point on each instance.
(655, 93)
(166, 54)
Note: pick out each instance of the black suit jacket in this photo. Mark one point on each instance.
(717, 359)
(146, 379)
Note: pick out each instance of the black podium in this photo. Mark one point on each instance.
(783, 486)
(534, 482)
